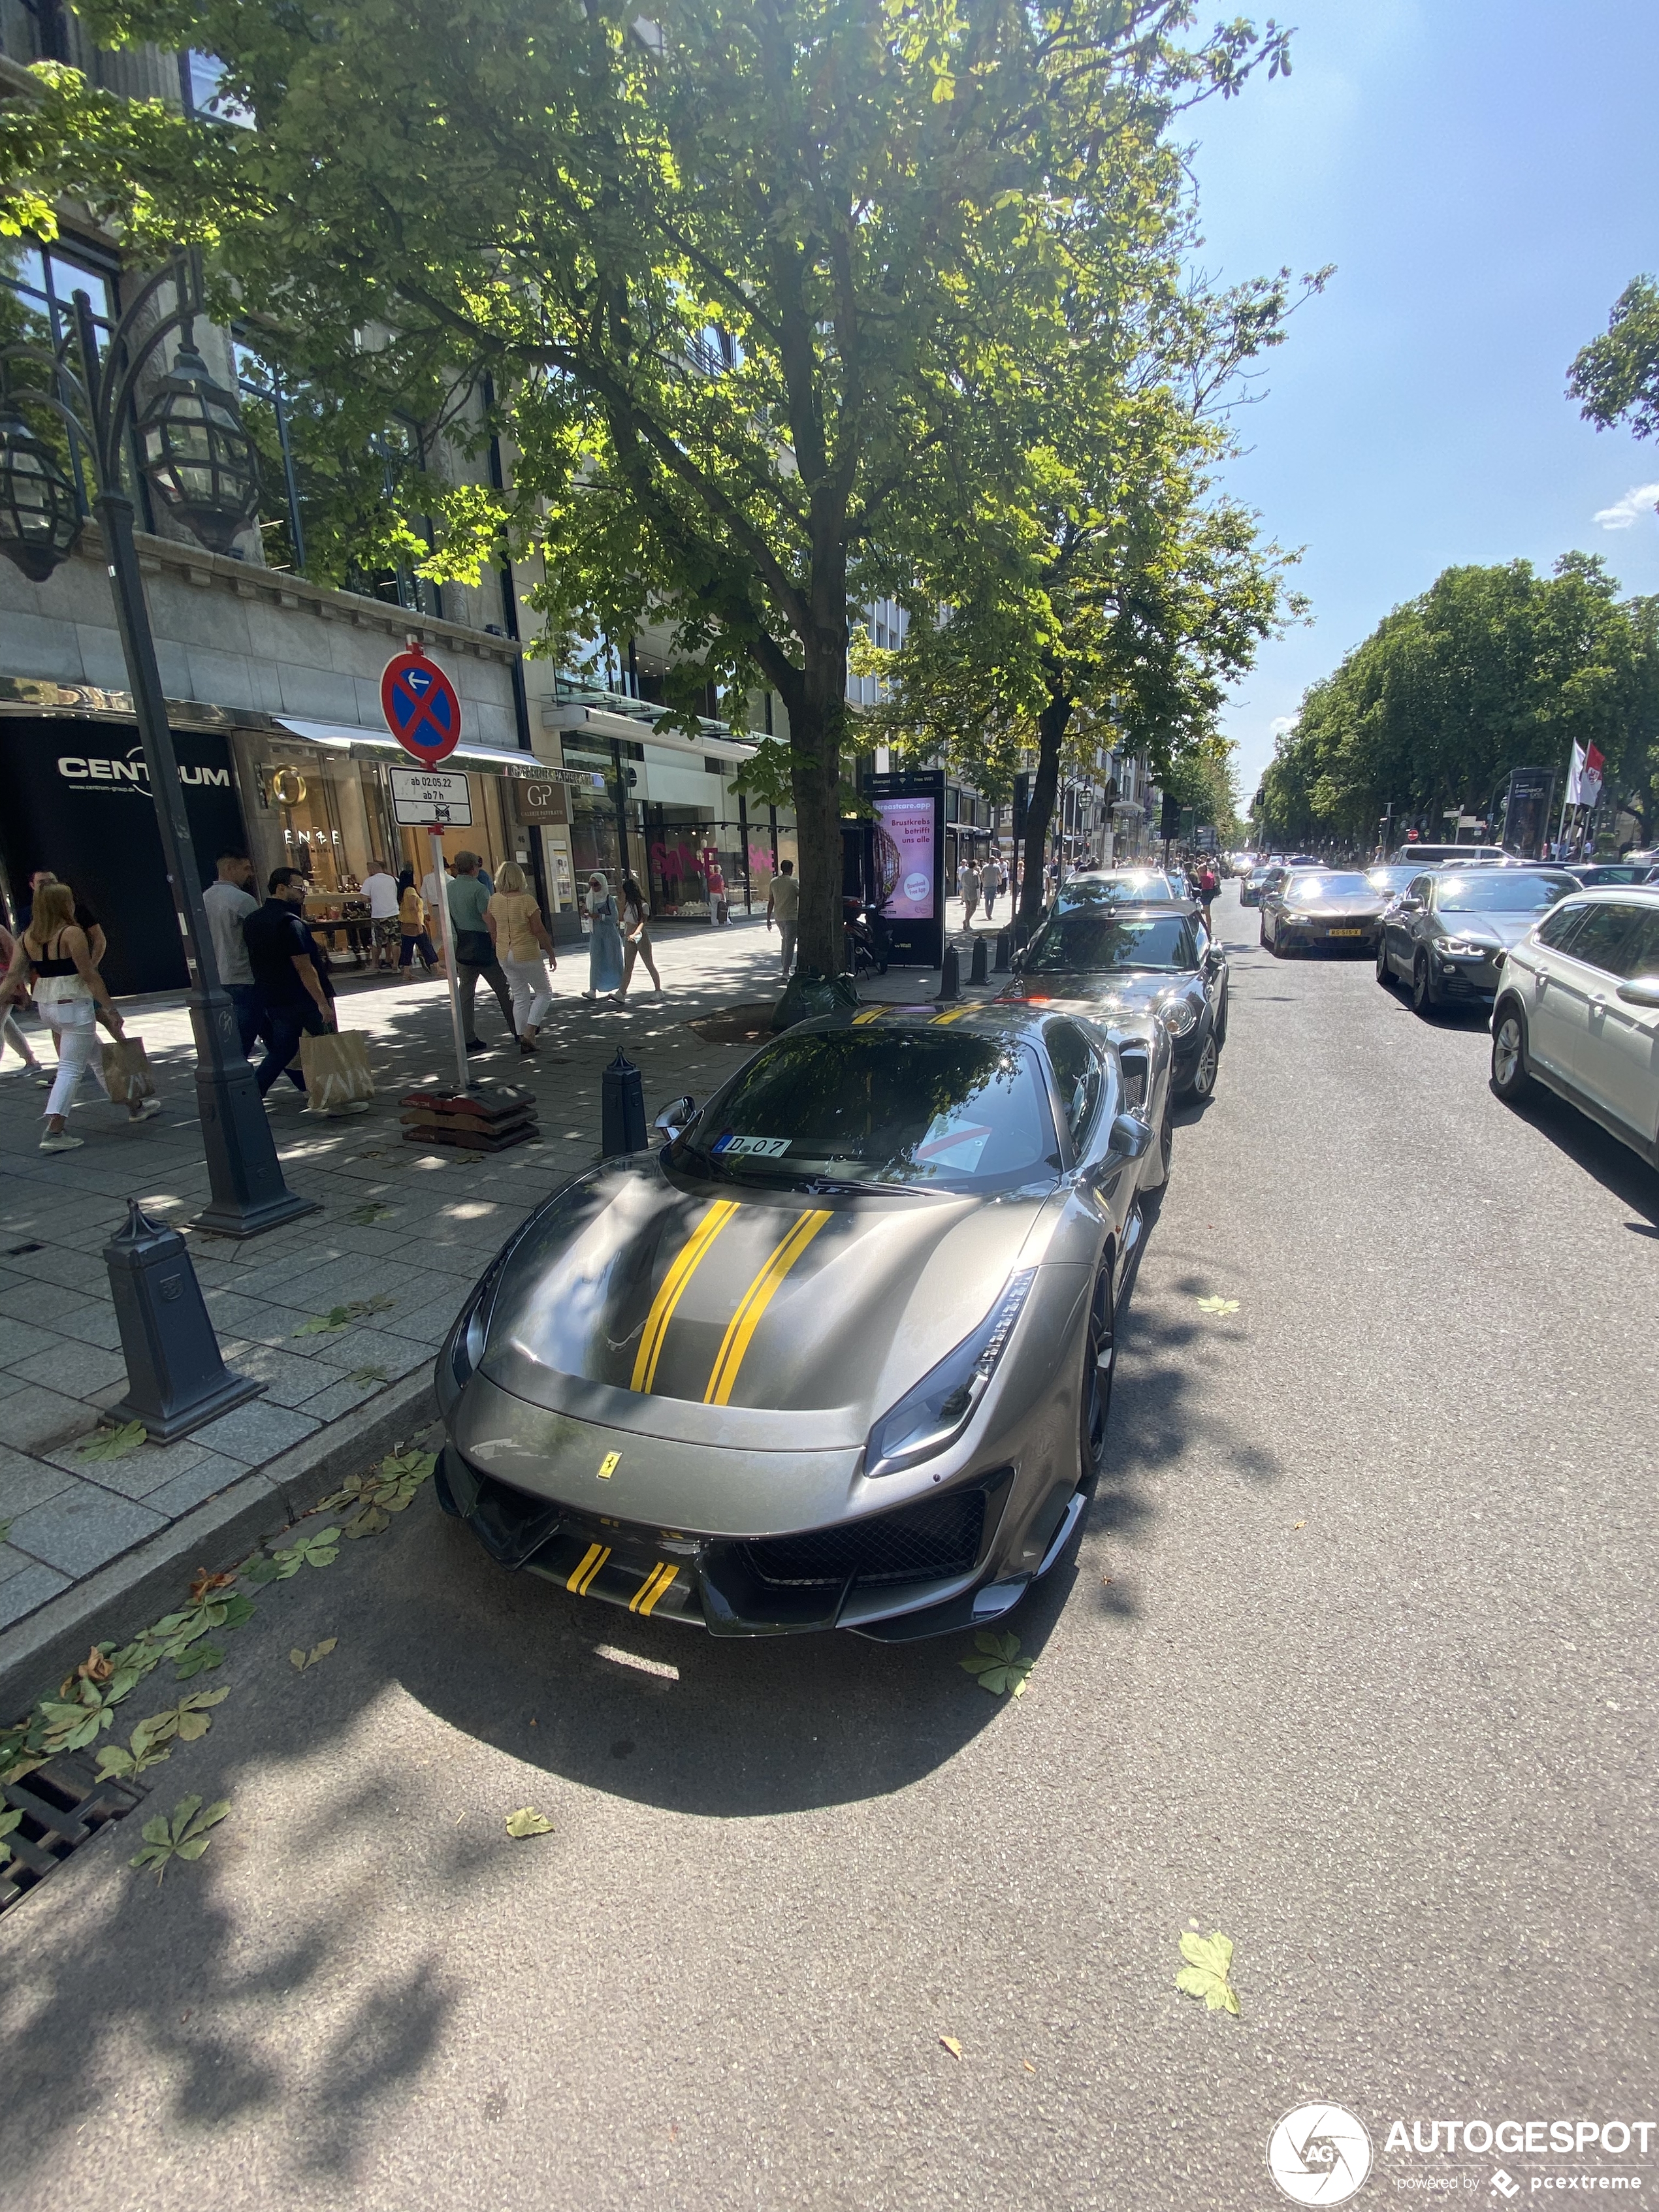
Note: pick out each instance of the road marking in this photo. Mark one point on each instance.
(620, 1658)
(657, 1583)
(592, 1560)
(673, 1286)
(755, 1300)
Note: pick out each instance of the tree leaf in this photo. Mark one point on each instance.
(296, 1659)
(998, 1665)
(203, 1584)
(237, 1611)
(200, 1660)
(952, 2045)
(1218, 1305)
(1209, 1970)
(321, 1650)
(527, 1821)
(113, 1443)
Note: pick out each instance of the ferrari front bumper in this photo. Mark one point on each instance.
(915, 1570)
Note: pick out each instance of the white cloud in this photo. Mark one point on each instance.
(1639, 499)
(1280, 724)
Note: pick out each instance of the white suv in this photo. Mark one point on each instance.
(1578, 1008)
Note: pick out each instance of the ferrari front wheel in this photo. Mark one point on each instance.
(1099, 1363)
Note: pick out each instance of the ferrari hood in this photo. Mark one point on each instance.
(723, 1313)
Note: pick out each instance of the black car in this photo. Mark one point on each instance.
(1260, 881)
(1449, 931)
(1133, 967)
(1323, 910)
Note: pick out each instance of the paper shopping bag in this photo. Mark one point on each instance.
(127, 1076)
(336, 1069)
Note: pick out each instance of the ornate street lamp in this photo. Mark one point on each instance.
(199, 460)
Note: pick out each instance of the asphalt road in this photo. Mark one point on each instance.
(1352, 1661)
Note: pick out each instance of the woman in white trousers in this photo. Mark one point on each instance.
(68, 991)
(524, 948)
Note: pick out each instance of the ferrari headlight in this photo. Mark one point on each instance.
(937, 1411)
(1177, 1016)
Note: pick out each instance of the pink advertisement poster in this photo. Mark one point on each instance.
(904, 856)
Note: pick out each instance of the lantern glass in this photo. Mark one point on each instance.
(40, 514)
(197, 457)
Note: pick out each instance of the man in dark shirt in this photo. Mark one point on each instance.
(85, 919)
(281, 953)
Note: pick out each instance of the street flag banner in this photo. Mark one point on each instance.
(1584, 783)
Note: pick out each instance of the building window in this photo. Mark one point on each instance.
(38, 284)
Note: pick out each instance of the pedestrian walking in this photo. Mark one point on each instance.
(385, 931)
(636, 938)
(434, 883)
(229, 902)
(412, 932)
(475, 950)
(53, 955)
(524, 947)
(10, 1032)
(283, 955)
(604, 944)
(84, 917)
(968, 882)
(783, 907)
(991, 884)
(1208, 884)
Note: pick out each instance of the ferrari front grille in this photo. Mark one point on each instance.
(934, 1537)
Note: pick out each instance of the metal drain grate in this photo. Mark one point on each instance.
(64, 1805)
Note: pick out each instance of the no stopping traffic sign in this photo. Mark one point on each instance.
(419, 706)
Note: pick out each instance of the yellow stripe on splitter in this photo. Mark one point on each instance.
(870, 1014)
(657, 1583)
(955, 1015)
(673, 1283)
(755, 1300)
(592, 1560)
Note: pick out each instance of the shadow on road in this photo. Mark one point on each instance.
(1589, 1145)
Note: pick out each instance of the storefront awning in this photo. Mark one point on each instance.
(345, 737)
(572, 718)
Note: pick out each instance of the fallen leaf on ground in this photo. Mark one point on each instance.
(343, 1316)
(365, 1217)
(1205, 1974)
(369, 1375)
(527, 1821)
(185, 1836)
(952, 2045)
(1027, 2064)
(997, 1663)
(202, 1584)
(1298, 1524)
(1218, 1305)
(113, 1443)
(302, 1659)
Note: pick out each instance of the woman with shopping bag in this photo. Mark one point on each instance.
(524, 949)
(54, 958)
(604, 946)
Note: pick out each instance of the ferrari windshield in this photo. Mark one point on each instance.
(1500, 890)
(1071, 943)
(858, 1105)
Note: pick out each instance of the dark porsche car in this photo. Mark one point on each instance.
(1260, 881)
(1147, 967)
(1323, 910)
(839, 1354)
(1448, 932)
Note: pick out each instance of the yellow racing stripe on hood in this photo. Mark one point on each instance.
(755, 1300)
(673, 1286)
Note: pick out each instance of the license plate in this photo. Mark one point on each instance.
(1345, 932)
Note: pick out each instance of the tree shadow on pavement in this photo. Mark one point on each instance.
(1589, 1146)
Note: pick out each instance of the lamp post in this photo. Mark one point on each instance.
(196, 456)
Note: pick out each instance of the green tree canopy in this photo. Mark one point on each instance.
(1616, 377)
(1493, 668)
(728, 266)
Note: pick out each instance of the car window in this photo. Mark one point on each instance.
(1420, 887)
(1082, 940)
(1606, 938)
(1643, 953)
(1332, 884)
(1077, 1071)
(900, 1105)
(1555, 929)
(1498, 890)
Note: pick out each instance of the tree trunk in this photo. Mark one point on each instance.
(817, 721)
(1040, 807)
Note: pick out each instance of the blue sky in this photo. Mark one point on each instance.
(1484, 174)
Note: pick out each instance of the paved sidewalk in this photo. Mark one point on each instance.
(403, 1233)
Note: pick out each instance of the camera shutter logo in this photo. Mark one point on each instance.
(1319, 2154)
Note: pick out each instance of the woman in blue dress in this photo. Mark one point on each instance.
(604, 945)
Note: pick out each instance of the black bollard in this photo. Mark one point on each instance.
(1004, 953)
(950, 975)
(976, 971)
(622, 1122)
(176, 1379)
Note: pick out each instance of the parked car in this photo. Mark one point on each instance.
(1448, 932)
(1578, 1009)
(1259, 882)
(1323, 910)
(1137, 967)
(1110, 886)
(837, 1355)
(1594, 873)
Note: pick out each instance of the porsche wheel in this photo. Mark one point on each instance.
(1099, 1363)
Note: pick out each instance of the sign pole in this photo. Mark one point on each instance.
(446, 932)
